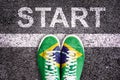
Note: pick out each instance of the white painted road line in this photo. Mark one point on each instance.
(32, 40)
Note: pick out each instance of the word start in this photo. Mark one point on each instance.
(24, 14)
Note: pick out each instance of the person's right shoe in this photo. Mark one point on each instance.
(72, 58)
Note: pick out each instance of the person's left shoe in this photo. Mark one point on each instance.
(72, 58)
(48, 58)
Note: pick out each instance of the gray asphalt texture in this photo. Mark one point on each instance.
(20, 63)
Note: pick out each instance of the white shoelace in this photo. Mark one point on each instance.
(50, 63)
(71, 61)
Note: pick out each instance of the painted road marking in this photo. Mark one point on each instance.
(32, 40)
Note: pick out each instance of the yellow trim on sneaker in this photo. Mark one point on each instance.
(43, 54)
(78, 54)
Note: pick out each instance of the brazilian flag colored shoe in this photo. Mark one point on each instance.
(48, 58)
(72, 58)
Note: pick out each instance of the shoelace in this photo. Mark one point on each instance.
(71, 62)
(51, 71)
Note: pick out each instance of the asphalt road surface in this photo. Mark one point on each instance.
(18, 47)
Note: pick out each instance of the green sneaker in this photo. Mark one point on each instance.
(72, 58)
(48, 58)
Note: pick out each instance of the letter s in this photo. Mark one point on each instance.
(24, 16)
